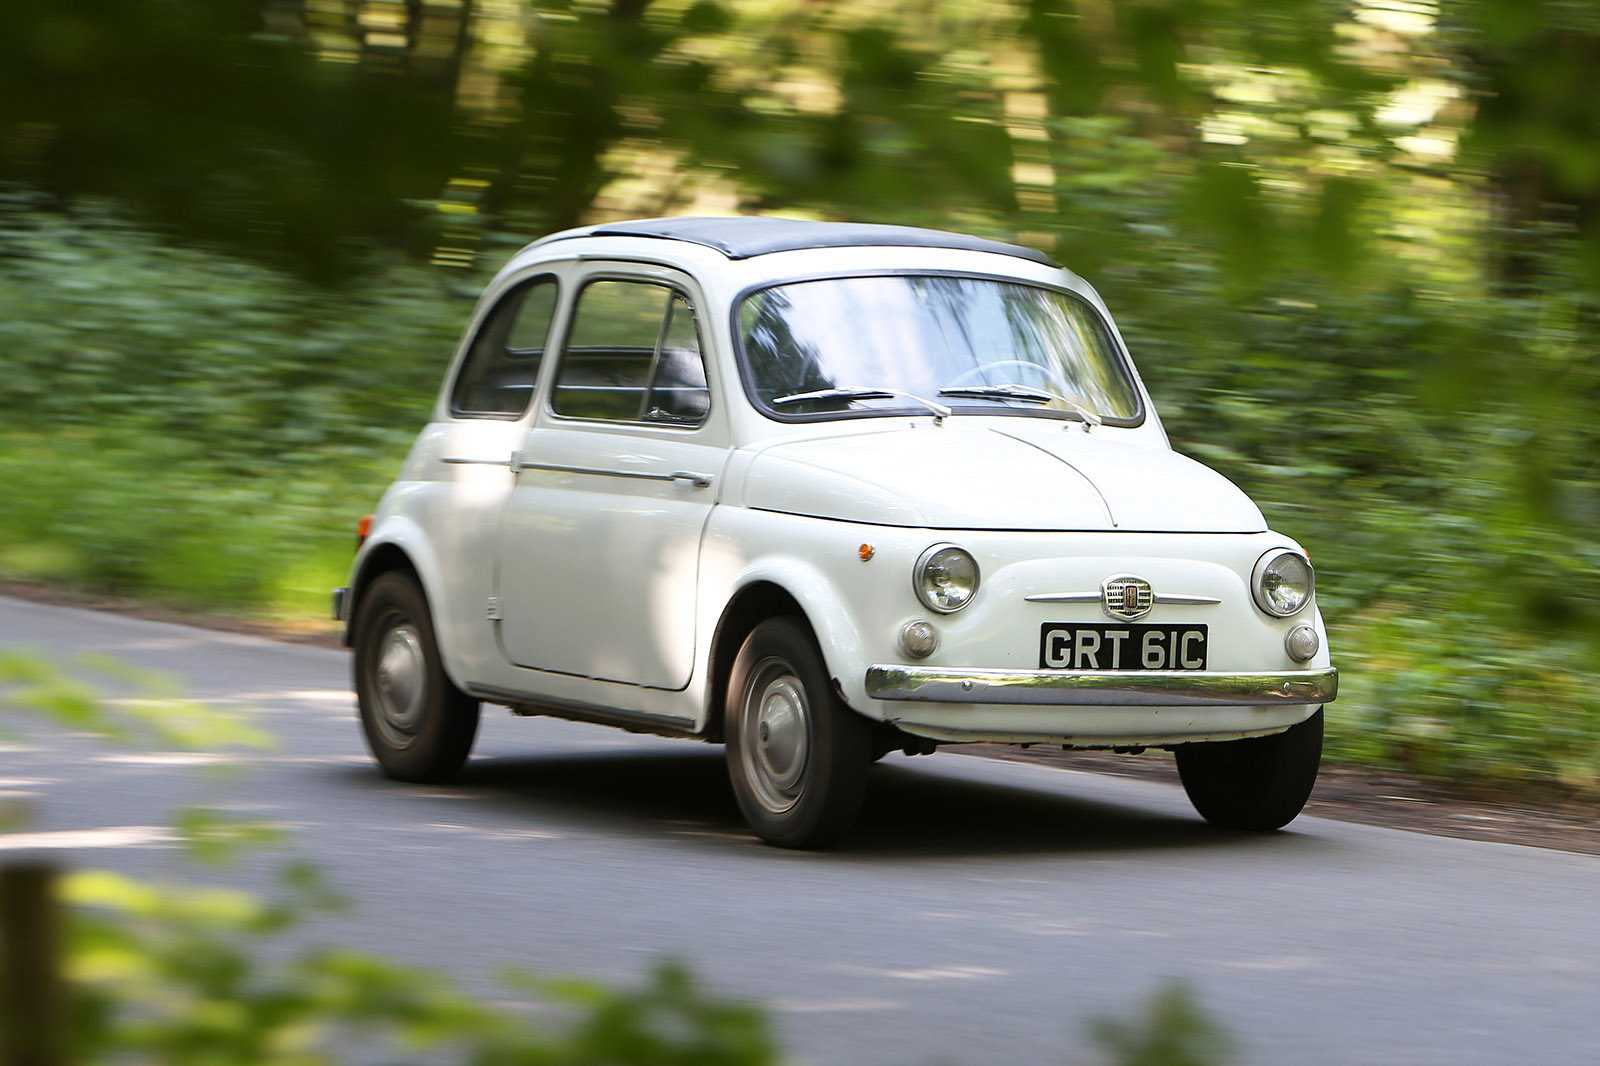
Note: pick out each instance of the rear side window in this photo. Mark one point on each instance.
(633, 355)
(502, 365)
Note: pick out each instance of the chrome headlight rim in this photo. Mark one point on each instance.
(918, 586)
(1258, 579)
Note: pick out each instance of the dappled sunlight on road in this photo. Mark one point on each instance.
(111, 836)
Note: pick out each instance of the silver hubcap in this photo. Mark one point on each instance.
(401, 684)
(774, 736)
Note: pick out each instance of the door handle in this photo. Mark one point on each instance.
(699, 481)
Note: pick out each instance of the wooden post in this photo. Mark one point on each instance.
(32, 993)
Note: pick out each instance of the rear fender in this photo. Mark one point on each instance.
(399, 544)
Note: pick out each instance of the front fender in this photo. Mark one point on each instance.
(851, 605)
(837, 630)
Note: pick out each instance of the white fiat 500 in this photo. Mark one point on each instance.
(822, 491)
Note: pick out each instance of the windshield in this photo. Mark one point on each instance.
(875, 345)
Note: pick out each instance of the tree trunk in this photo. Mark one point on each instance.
(32, 995)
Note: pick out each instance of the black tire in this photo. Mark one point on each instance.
(797, 756)
(419, 726)
(1257, 784)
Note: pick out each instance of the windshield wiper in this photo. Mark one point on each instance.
(1026, 393)
(862, 392)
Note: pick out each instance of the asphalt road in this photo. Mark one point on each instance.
(981, 913)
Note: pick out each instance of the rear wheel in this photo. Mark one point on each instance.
(1256, 784)
(797, 756)
(419, 726)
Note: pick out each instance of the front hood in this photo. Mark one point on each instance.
(969, 474)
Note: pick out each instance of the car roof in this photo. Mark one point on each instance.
(747, 236)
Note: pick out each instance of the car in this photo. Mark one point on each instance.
(821, 491)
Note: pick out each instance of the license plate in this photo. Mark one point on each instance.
(1068, 646)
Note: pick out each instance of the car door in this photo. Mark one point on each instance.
(463, 476)
(599, 544)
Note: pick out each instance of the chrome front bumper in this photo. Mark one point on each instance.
(1103, 688)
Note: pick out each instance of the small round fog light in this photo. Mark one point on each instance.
(1301, 643)
(919, 639)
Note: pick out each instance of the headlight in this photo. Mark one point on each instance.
(946, 578)
(1282, 582)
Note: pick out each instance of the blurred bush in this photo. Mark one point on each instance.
(1171, 1030)
(199, 977)
(197, 429)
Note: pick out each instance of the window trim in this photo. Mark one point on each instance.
(521, 284)
(673, 289)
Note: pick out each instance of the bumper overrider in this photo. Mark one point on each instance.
(1104, 688)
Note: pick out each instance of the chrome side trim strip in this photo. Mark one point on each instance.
(1064, 597)
(1095, 597)
(697, 479)
(1103, 688)
(638, 475)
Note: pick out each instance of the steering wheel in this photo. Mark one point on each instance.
(1049, 374)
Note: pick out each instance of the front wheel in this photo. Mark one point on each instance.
(797, 756)
(419, 726)
(1255, 784)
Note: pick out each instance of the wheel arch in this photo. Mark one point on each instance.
(749, 607)
(386, 556)
(381, 560)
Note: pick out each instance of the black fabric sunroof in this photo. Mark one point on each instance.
(742, 237)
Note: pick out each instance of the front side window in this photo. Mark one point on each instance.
(840, 347)
(633, 355)
(502, 365)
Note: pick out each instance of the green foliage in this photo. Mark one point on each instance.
(189, 428)
(152, 711)
(32, 684)
(1172, 1030)
(196, 977)
(212, 838)
(211, 124)
(107, 329)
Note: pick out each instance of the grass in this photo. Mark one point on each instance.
(139, 521)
